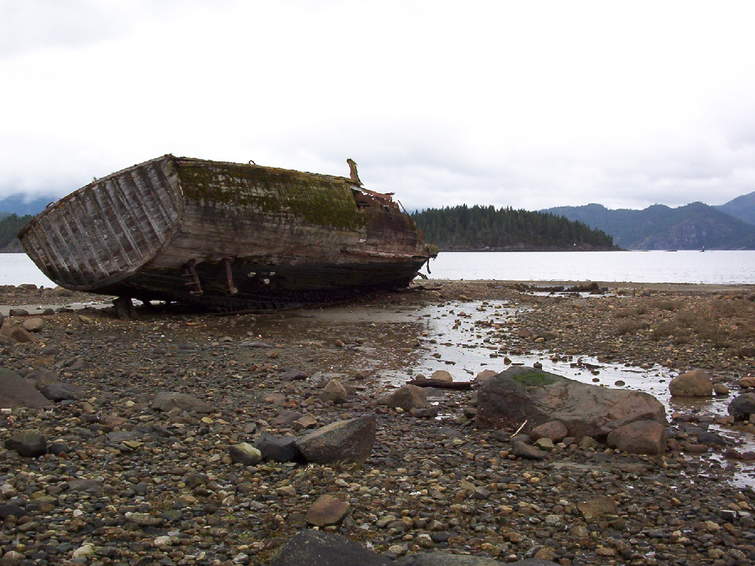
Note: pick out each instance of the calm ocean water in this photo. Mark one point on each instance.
(643, 267)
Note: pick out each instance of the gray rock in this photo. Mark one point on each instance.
(341, 441)
(334, 392)
(61, 391)
(42, 376)
(18, 312)
(407, 397)
(167, 400)
(446, 559)
(695, 383)
(87, 486)
(33, 324)
(522, 393)
(742, 406)
(554, 430)
(28, 443)
(524, 450)
(325, 549)
(278, 448)
(245, 453)
(18, 392)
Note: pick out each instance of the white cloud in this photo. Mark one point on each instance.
(526, 104)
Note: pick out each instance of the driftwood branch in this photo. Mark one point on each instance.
(440, 384)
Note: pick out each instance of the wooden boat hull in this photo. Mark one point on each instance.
(229, 234)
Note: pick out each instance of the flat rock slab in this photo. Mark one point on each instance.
(168, 400)
(342, 441)
(327, 510)
(325, 549)
(61, 391)
(527, 394)
(597, 507)
(15, 391)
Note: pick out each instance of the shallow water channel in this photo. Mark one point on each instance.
(459, 337)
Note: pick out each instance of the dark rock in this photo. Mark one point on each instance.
(167, 400)
(445, 559)
(522, 393)
(18, 392)
(10, 509)
(639, 437)
(342, 441)
(278, 448)
(61, 391)
(325, 549)
(18, 312)
(28, 443)
(742, 406)
(293, 375)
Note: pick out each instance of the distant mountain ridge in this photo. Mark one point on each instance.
(659, 227)
(742, 207)
(21, 205)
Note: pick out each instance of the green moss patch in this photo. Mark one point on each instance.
(535, 377)
(317, 199)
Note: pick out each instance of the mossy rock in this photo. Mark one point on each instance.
(533, 377)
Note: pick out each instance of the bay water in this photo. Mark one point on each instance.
(715, 267)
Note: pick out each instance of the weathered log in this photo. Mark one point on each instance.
(440, 384)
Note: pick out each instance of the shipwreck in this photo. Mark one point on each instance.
(226, 235)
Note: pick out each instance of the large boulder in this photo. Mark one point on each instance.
(407, 397)
(325, 549)
(742, 406)
(639, 437)
(15, 391)
(168, 400)
(341, 441)
(526, 394)
(695, 383)
(327, 510)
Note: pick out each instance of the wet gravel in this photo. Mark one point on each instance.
(129, 484)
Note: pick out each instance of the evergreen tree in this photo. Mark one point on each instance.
(485, 227)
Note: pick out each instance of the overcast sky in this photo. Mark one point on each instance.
(530, 103)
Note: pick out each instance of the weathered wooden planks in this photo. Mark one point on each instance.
(250, 232)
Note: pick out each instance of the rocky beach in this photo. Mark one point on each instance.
(180, 437)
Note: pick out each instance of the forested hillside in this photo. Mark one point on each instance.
(9, 227)
(490, 228)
